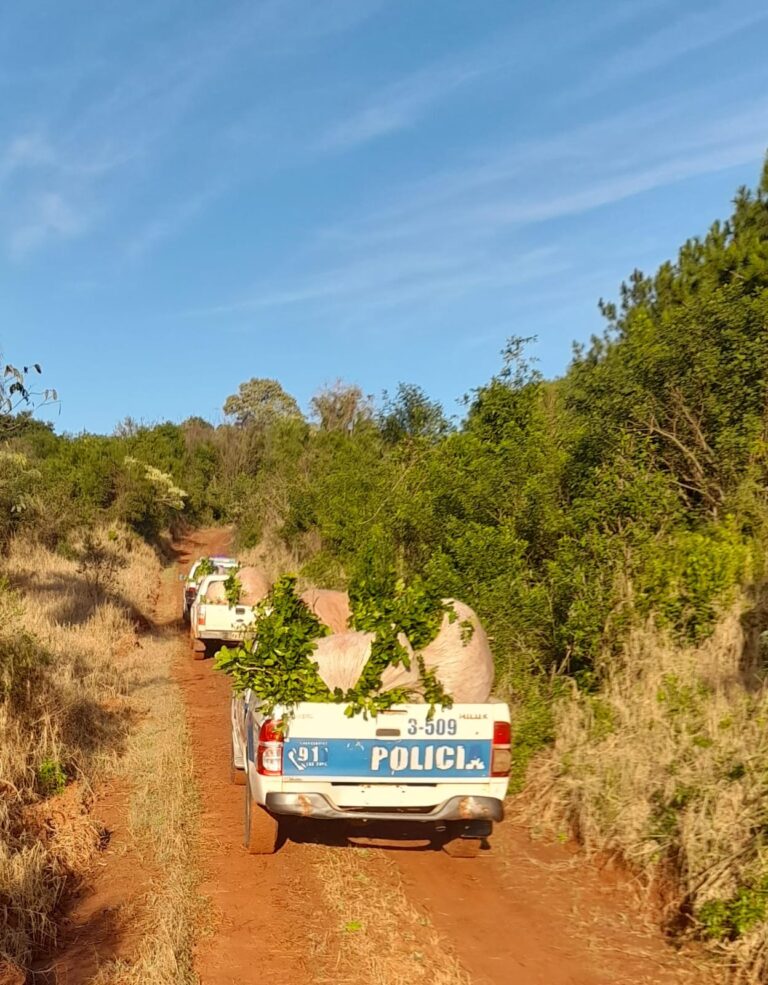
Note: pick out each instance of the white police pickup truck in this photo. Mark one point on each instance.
(221, 565)
(213, 622)
(444, 778)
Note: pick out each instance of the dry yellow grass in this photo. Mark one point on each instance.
(74, 681)
(665, 768)
(163, 819)
(375, 935)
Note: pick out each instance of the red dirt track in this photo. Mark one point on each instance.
(521, 914)
(261, 906)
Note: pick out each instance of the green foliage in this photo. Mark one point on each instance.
(686, 580)
(146, 477)
(274, 663)
(233, 588)
(51, 778)
(204, 568)
(729, 919)
(410, 414)
(19, 482)
(259, 402)
(532, 697)
(386, 606)
(389, 605)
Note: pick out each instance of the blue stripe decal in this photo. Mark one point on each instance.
(376, 758)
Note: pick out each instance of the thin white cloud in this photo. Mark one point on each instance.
(577, 170)
(41, 184)
(170, 221)
(460, 231)
(619, 187)
(399, 106)
(102, 154)
(27, 150)
(404, 103)
(389, 280)
(51, 218)
(691, 32)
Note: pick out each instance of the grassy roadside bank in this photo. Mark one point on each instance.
(663, 768)
(163, 817)
(86, 699)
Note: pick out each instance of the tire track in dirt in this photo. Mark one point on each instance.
(533, 914)
(262, 908)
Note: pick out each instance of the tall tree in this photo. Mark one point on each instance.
(411, 414)
(341, 407)
(260, 402)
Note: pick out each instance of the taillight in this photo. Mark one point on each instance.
(501, 752)
(269, 757)
(201, 617)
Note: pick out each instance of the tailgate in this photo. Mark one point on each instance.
(222, 617)
(400, 744)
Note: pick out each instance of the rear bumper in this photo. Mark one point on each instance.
(222, 635)
(317, 805)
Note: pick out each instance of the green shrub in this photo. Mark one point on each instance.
(686, 580)
(729, 919)
(51, 778)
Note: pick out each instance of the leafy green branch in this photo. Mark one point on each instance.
(205, 567)
(233, 588)
(274, 662)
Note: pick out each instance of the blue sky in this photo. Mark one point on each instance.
(194, 193)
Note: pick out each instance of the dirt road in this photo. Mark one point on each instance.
(522, 914)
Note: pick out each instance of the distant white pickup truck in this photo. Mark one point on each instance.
(192, 580)
(215, 622)
(445, 777)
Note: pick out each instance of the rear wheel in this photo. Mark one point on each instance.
(198, 649)
(237, 776)
(262, 831)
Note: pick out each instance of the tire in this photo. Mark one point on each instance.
(262, 830)
(462, 847)
(237, 776)
(199, 651)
